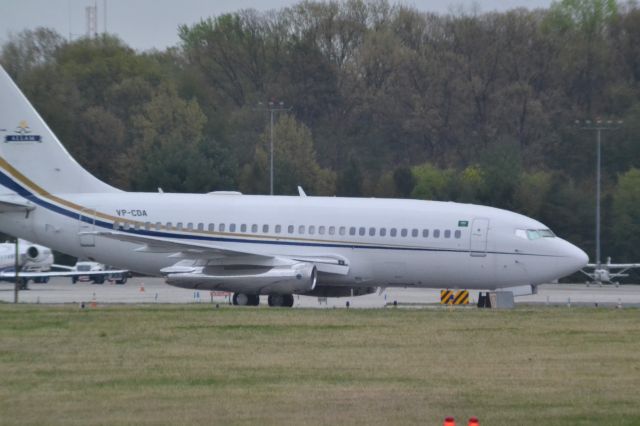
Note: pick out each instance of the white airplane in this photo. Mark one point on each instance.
(270, 245)
(35, 262)
(605, 273)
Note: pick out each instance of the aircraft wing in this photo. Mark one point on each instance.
(12, 274)
(623, 265)
(325, 263)
(614, 265)
(164, 245)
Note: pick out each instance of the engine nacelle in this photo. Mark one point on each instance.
(38, 254)
(292, 279)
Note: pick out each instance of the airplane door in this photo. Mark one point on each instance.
(86, 222)
(479, 231)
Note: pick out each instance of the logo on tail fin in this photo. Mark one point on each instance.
(22, 134)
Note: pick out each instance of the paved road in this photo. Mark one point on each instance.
(154, 290)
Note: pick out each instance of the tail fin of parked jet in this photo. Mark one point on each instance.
(32, 160)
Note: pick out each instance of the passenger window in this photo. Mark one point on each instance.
(147, 225)
(136, 226)
(190, 226)
(179, 226)
(265, 229)
(221, 227)
(372, 232)
(343, 230)
(290, 229)
(393, 232)
(321, 230)
(447, 233)
(254, 228)
(232, 227)
(414, 233)
(211, 227)
(383, 232)
(278, 229)
(425, 233)
(301, 229)
(362, 231)
(201, 226)
(243, 228)
(115, 225)
(457, 234)
(332, 230)
(158, 226)
(436, 233)
(352, 230)
(312, 230)
(169, 225)
(403, 232)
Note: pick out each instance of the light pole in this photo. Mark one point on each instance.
(272, 107)
(16, 287)
(598, 125)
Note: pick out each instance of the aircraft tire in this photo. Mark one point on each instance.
(281, 300)
(288, 300)
(99, 279)
(241, 299)
(254, 299)
(24, 284)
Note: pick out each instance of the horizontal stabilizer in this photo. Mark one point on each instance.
(13, 206)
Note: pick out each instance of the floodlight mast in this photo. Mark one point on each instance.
(598, 125)
(272, 107)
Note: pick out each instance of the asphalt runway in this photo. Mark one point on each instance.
(154, 290)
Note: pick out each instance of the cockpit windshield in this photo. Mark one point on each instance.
(534, 234)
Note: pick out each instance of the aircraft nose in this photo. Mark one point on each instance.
(576, 258)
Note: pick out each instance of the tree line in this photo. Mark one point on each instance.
(380, 100)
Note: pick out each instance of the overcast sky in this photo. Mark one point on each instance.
(147, 24)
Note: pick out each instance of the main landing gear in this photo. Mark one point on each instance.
(243, 299)
(282, 300)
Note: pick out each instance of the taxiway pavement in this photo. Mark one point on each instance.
(143, 290)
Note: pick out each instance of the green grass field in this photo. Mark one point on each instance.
(194, 364)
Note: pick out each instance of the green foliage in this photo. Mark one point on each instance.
(501, 165)
(349, 182)
(626, 215)
(431, 183)
(532, 192)
(191, 165)
(294, 161)
(29, 49)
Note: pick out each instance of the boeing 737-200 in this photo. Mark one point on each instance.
(255, 245)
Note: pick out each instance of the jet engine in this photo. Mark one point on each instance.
(38, 254)
(251, 279)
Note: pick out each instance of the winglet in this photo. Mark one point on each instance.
(301, 191)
